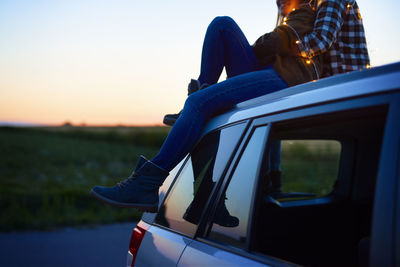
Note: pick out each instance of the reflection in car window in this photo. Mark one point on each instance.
(232, 217)
(184, 205)
(162, 191)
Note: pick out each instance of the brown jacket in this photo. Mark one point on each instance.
(279, 48)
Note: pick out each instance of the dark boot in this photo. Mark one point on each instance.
(139, 191)
(193, 86)
(224, 218)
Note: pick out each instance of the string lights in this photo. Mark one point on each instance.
(308, 57)
(355, 13)
(308, 60)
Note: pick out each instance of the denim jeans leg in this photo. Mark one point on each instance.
(202, 105)
(225, 45)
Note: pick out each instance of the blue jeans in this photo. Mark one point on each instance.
(224, 46)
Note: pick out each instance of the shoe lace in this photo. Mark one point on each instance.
(129, 180)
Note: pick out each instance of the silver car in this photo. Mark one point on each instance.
(305, 176)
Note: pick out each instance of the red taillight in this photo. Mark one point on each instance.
(136, 239)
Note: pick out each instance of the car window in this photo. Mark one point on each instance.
(231, 221)
(301, 169)
(320, 207)
(188, 197)
(149, 217)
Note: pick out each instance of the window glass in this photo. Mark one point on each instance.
(185, 203)
(162, 191)
(308, 168)
(317, 187)
(232, 217)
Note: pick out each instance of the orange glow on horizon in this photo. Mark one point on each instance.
(102, 64)
(73, 124)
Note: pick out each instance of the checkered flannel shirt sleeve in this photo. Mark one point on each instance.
(328, 23)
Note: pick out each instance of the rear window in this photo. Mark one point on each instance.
(231, 221)
(188, 197)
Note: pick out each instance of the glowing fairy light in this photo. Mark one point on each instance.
(308, 58)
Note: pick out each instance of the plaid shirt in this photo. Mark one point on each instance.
(339, 36)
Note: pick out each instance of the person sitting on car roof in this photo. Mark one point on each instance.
(273, 63)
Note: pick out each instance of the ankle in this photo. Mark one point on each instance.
(202, 81)
(162, 164)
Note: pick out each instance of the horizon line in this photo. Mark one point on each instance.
(69, 124)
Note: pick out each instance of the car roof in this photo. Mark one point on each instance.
(348, 85)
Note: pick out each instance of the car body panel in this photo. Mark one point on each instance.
(397, 219)
(379, 86)
(161, 247)
(202, 254)
(384, 221)
(311, 94)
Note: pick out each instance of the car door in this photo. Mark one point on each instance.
(385, 237)
(232, 222)
(275, 229)
(181, 211)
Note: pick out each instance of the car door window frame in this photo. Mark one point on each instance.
(206, 225)
(236, 167)
(319, 109)
(384, 222)
(216, 188)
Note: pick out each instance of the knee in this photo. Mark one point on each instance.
(222, 22)
(192, 103)
(193, 108)
(198, 102)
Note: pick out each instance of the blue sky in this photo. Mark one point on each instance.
(108, 62)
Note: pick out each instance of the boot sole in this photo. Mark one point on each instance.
(142, 207)
(169, 122)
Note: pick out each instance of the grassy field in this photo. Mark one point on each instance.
(310, 166)
(47, 173)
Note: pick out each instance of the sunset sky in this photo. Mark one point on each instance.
(129, 62)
